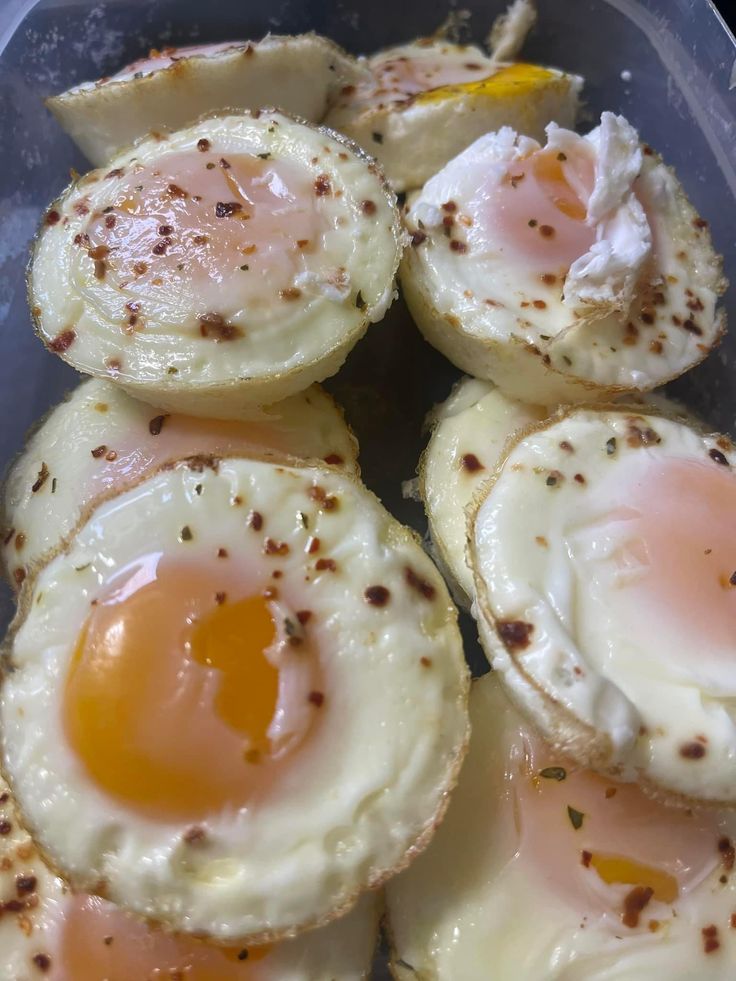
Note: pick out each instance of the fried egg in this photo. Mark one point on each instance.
(604, 561)
(571, 272)
(100, 440)
(422, 103)
(544, 871)
(173, 86)
(46, 931)
(236, 700)
(469, 431)
(229, 264)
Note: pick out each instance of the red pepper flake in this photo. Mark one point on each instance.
(368, 207)
(422, 586)
(215, 326)
(203, 145)
(20, 540)
(578, 478)
(334, 459)
(718, 457)
(42, 961)
(325, 501)
(553, 478)
(696, 305)
(546, 231)
(458, 246)
(656, 347)
(426, 662)
(549, 279)
(700, 223)
(194, 835)
(634, 902)
(313, 546)
(41, 478)
(161, 246)
(515, 634)
(139, 268)
(325, 564)
(711, 942)
(222, 553)
(111, 456)
(5, 827)
(200, 239)
(63, 341)
(4, 798)
(450, 207)
(567, 447)
(347, 90)
(272, 547)
(728, 853)
(732, 579)
(52, 217)
(25, 884)
(99, 451)
(174, 191)
(471, 463)
(290, 293)
(156, 425)
(304, 616)
(733, 921)
(692, 751)
(19, 576)
(186, 534)
(586, 858)
(220, 598)
(225, 164)
(418, 237)
(225, 209)
(322, 186)
(637, 435)
(316, 698)
(117, 172)
(539, 304)
(377, 595)
(692, 328)
(255, 520)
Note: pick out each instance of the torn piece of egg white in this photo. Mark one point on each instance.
(172, 87)
(469, 432)
(242, 791)
(99, 440)
(46, 931)
(544, 870)
(573, 272)
(426, 101)
(227, 265)
(604, 561)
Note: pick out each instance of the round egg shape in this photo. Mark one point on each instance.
(100, 440)
(236, 700)
(602, 555)
(173, 86)
(550, 871)
(577, 271)
(229, 264)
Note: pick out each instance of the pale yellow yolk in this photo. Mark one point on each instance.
(537, 212)
(170, 694)
(224, 232)
(95, 941)
(679, 553)
(593, 841)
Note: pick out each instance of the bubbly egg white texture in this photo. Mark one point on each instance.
(172, 87)
(420, 104)
(46, 931)
(511, 889)
(101, 440)
(572, 272)
(603, 560)
(469, 432)
(242, 794)
(231, 263)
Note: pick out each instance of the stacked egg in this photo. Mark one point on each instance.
(234, 701)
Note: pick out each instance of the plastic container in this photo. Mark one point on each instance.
(668, 65)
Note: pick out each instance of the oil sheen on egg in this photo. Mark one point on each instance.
(237, 700)
(551, 872)
(604, 561)
(571, 272)
(46, 931)
(171, 87)
(230, 264)
(101, 440)
(422, 103)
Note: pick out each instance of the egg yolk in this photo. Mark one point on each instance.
(225, 233)
(172, 690)
(537, 212)
(96, 941)
(595, 841)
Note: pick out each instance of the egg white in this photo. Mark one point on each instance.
(98, 420)
(297, 74)
(290, 344)
(470, 908)
(375, 780)
(544, 547)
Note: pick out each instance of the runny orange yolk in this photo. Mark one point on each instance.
(96, 941)
(170, 693)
